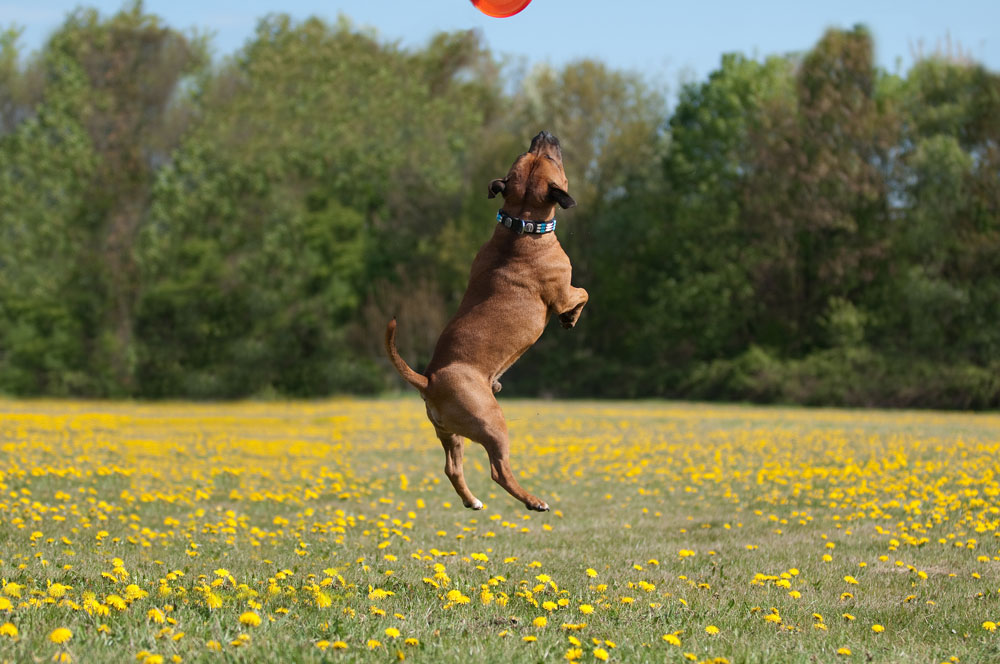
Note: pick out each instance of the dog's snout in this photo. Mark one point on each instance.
(542, 139)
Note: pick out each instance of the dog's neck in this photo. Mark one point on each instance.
(524, 226)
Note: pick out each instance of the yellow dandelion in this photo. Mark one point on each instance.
(672, 639)
(712, 629)
(373, 643)
(58, 590)
(851, 580)
(586, 609)
(392, 632)
(339, 645)
(989, 626)
(601, 654)
(530, 638)
(156, 616)
(60, 635)
(8, 629)
(843, 651)
(878, 629)
(592, 573)
(540, 621)
(250, 618)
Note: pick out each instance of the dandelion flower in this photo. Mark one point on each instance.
(586, 609)
(60, 635)
(339, 645)
(392, 632)
(250, 619)
(540, 621)
(373, 643)
(878, 628)
(672, 639)
(851, 580)
(592, 573)
(9, 629)
(843, 651)
(712, 629)
(529, 638)
(58, 590)
(989, 626)
(601, 654)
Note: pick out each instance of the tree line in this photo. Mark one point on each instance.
(803, 228)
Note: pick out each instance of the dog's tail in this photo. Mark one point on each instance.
(418, 381)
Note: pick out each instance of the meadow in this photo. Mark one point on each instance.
(327, 531)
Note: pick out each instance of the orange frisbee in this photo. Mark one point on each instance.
(500, 8)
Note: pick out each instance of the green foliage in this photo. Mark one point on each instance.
(803, 229)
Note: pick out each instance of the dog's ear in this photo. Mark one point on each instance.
(561, 197)
(497, 187)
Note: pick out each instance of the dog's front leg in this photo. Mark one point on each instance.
(570, 308)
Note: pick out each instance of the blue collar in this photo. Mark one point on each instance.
(521, 226)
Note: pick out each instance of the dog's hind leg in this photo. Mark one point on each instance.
(491, 433)
(453, 457)
(460, 400)
(499, 450)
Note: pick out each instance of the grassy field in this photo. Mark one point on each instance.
(328, 532)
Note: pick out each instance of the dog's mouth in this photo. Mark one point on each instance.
(545, 141)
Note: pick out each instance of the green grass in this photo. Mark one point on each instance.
(338, 496)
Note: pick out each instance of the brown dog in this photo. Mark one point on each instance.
(519, 278)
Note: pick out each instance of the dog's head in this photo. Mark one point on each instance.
(536, 182)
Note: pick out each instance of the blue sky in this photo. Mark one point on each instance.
(667, 40)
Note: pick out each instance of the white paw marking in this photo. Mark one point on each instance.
(476, 504)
